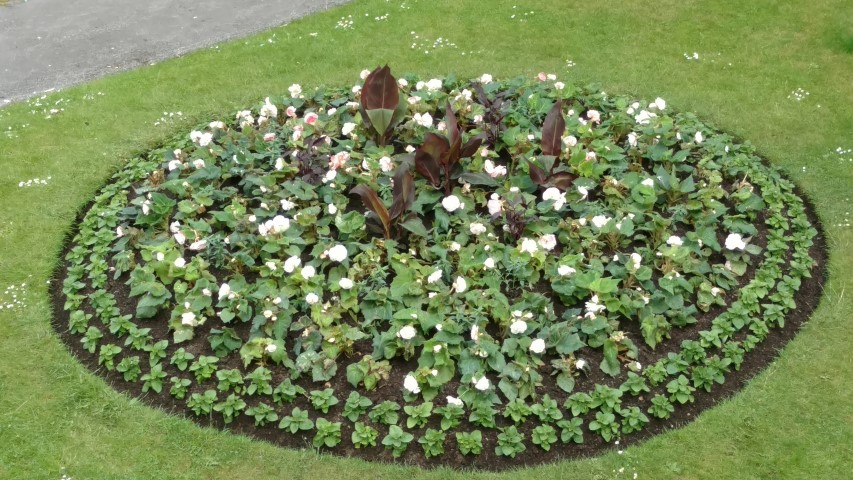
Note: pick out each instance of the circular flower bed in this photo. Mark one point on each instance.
(451, 272)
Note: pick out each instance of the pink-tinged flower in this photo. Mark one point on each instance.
(311, 118)
(494, 204)
(268, 137)
(548, 242)
(542, 76)
(594, 116)
(338, 160)
(290, 111)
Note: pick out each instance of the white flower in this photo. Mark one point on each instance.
(347, 128)
(455, 247)
(279, 163)
(554, 194)
(312, 298)
(269, 110)
(308, 271)
(675, 241)
(559, 85)
(188, 319)
(486, 78)
(570, 141)
(584, 192)
(495, 205)
(580, 363)
(475, 333)
(198, 245)
(271, 348)
(424, 120)
(493, 170)
(454, 401)
(402, 83)
(565, 270)
(594, 116)
(537, 346)
(698, 137)
(600, 221)
(451, 203)
(477, 228)
(160, 256)
(659, 103)
(735, 242)
(180, 262)
(291, 263)
(636, 260)
(482, 384)
(332, 209)
(518, 327)
(715, 291)
(528, 245)
(268, 313)
(593, 307)
(338, 253)
(175, 164)
(385, 164)
(434, 85)
(548, 242)
(364, 73)
(649, 182)
(224, 291)
(644, 117)
(407, 333)
(460, 285)
(271, 265)
(295, 90)
(410, 383)
(489, 263)
(345, 283)
(434, 277)
(632, 139)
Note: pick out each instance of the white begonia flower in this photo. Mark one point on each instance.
(160, 256)
(559, 85)
(268, 313)
(436, 348)
(454, 401)
(433, 85)
(269, 110)
(198, 245)
(518, 327)
(489, 263)
(308, 271)
(495, 204)
(644, 117)
(475, 333)
(485, 78)
(636, 260)
(593, 307)
(424, 120)
(434, 276)
(271, 348)
(410, 383)
(347, 128)
(338, 253)
(287, 205)
(188, 319)
(649, 182)
(402, 83)
(482, 384)
(180, 262)
(477, 228)
(698, 137)
(345, 283)
(632, 139)
(537, 346)
(580, 364)
(528, 245)
(565, 270)
(675, 241)
(332, 209)
(659, 103)
(715, 291)
(295, 90)
(312, 298)
(224, 291)
(735, 242)
(548, 242)
(364, 73)
(451, 203)
(600, 221)
(280, 224)
(493, 170)
(455, 246)
(291, 263)
(407, 333)
(385, 164)
(570, 141)
(460, 285)
(175, 164)
(554, 194)
(584, 192)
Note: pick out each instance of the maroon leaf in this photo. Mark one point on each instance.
(428, 157)
(538, 175)
(552, 130)
(380, 90)
(562, 180)
(471, 146)
(373, 203)
(453, 133)
(404, 191)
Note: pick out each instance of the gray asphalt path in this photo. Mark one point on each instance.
(50, 44)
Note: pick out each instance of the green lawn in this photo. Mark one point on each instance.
(792, 421)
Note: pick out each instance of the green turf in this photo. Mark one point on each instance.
(793, 421)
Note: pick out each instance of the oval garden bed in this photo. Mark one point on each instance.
(441, 271)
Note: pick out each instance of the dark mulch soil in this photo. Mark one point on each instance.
(807, 299)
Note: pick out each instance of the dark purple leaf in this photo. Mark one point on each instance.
(562, 180)
(471, 146)
(404, 191)
(380, 90)
(373, 203)
(428, 157)
(538, 175)
(552, 130)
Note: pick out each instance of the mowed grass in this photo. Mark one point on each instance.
(792, 421)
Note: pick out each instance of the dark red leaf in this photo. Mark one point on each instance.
(538, 175)
(428, 157)
(380, 90)
(404, 191)
(453, 133)
(373, 203)
(471, 146)
(552, 130)
(562, 180)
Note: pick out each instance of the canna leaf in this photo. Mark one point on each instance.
(428, 157)
(404, 191)
(373, 203)
(552, 130)
(562, 180)
(538, 175)
(380, 98)
(471, 146)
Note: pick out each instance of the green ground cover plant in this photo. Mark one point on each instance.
(664, 456)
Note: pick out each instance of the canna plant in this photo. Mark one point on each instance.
(381, 109)
(550, 173)
(398, 216)
(439, 155)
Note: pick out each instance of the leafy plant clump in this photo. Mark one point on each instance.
(489, 268)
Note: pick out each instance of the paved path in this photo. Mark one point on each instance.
(50, 44)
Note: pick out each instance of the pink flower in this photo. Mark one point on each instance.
(542, 77)
(338, 160)
(311, 118)
(290, 111)
(268, 137)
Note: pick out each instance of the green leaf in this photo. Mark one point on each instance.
(610, 363)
